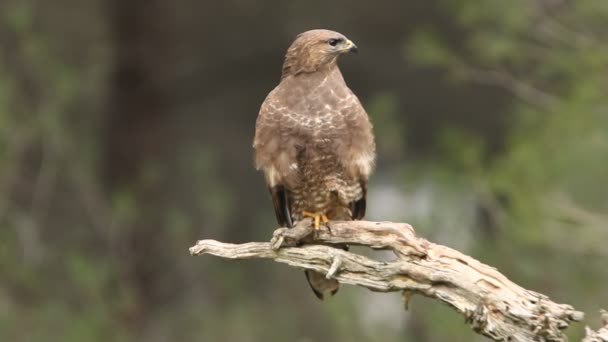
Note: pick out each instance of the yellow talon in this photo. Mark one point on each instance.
(318, 217)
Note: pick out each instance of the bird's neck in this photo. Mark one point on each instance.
(329, 72)
(295, 67)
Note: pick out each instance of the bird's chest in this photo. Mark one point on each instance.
(324, 183)
(319, 125)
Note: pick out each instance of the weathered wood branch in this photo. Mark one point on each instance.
(598, 336)
(492, 304)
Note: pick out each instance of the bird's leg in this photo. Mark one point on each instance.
(318, 217)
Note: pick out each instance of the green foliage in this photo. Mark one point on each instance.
(552, 168)
(91, 250)
(425, 48)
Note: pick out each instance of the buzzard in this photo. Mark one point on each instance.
(314, 140)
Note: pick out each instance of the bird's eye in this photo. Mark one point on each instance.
(334, 42)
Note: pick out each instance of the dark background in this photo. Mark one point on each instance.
(126, 131)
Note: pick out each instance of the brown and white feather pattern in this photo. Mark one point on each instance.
(313, 138)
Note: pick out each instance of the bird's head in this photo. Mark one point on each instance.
(315, 49)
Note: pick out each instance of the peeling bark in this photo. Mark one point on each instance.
(492, 305)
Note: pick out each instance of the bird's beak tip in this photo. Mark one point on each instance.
(350, 47)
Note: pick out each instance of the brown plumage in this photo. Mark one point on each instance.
(314, 140)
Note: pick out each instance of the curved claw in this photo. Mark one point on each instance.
(318, 217)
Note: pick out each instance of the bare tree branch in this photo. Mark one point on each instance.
(492, 304)
(602, 334)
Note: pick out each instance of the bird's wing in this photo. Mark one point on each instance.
(275, 153)
(356, 148)
(358, 207)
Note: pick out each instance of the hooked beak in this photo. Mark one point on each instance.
(349, 46)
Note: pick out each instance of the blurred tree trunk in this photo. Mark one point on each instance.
(138, 144)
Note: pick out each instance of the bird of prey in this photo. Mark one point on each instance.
(314, 141)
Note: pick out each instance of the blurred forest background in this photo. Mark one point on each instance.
(126, 131)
